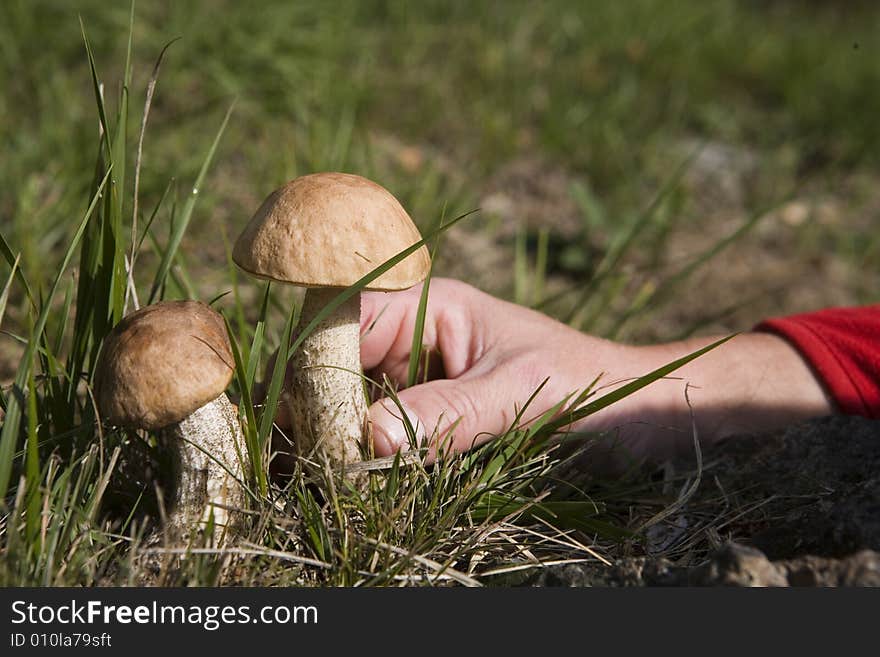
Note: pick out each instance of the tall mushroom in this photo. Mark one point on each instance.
(324, 232)
(164, 368)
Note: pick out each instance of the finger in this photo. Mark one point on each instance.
(281, 418)
(446, 415)
(388, 322)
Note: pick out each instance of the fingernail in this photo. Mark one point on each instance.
(389, 428)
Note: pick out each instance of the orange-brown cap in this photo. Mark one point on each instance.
(161, 363)
(329, 230)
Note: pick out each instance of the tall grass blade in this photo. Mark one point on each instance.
(238, 305)
(542, 252)
(13, 259)
(149, 224)
(629, 388)
(520, 267)
(621, 246)
(151, 88)
(174, 274)
(65, 316)
(181, 226)
(32, 465)
(251, 437)
(99, 96)
(415, 355)
(4, 296)
(11, 423)
(275, 385)
(115, 246)
(100, 299)
(664, 291)
(253, 357)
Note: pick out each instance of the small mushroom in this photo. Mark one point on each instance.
(324, 232)
(164, 368)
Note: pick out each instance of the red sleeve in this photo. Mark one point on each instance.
(843, 347)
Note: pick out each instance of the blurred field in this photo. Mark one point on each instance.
(643, 170)
(557, 115)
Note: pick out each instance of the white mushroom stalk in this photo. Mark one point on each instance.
(205, 465)
(325, 394)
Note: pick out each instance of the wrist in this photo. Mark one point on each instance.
(753, 382)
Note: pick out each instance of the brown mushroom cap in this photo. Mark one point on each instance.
(161, 363)
(329, 230)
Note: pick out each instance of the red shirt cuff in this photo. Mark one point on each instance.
(843, 347)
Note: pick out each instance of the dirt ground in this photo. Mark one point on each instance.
(799, 507)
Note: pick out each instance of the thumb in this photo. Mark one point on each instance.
(446, 415)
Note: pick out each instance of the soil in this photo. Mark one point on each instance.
(799, 507)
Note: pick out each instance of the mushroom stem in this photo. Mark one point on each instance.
(325, 395)
(205, 465)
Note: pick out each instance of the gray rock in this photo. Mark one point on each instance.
(738, 565)
(731, 565)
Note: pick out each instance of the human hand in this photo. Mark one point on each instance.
(488, 358)
(493, 355)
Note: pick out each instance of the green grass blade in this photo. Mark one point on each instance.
(274, 391)
(181, 226)
(593, 212)
(151, 88)
(542, 252)
(520, 267)
(115, 241)
(93, 504)
(4, 296)
(100, 299)
(415, 355)
(664, 291)
(152, 218)
(621, 246)
(245, 383)
(99, 97)
(65, 316)
(253, 357)
(115, 244)
(629, 388)
(13, 259)
(177, 275)
(127, 70)
(238, 306)
(11, 424)
(32, 464)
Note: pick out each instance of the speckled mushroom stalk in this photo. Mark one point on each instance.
(205, 466)
(325, 395)
(164, 368)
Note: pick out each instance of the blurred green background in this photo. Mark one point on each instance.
(643, 169)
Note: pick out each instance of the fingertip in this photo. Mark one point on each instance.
(389, 427)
